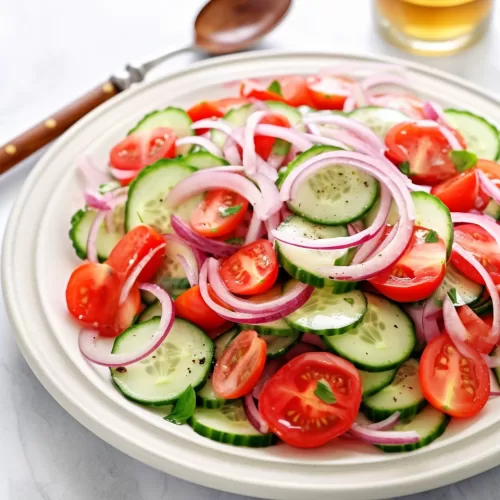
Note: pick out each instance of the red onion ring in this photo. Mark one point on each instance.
(270, 194)
(272, 366)
(95, 201)
(434, 111)
(123, 175)
(88, 174)
(230, 151)
(489, 186)
(341, 139)
(455, 328)
(313, 339)
(386, 424)
(219, 124)
(272, 224)
(481, 220)
(197, 254)
(275, 161)
(203, 142)
(98, 349)
(254, 229)
(430, 314)
(249, 154)
(416, 314)
(374, 436)
(191, 274)
(253, 414)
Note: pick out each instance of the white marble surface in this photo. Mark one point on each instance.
(52, 51)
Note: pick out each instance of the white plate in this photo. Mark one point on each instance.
(38, 259)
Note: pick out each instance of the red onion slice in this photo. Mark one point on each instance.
(434, 111)
(294, 137)
(416, 314)
(95, 201)
(191, 274)
(313, 339)
(253, 414)
(374, 436)
(249, 154)
(230, 151)
(123, 175)
(270, 194)
(481, 220)
(455, 328)
(98, 349)
(386, 424)
(88, 174)
(489, 186)
(430, 314)
(203, 142)
(254, 229)
(272, 366)
(271, 225)
(190, 253)
(220, 125)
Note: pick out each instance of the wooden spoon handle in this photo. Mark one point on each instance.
(46, 131)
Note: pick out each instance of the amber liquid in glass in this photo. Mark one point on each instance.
(433, 25)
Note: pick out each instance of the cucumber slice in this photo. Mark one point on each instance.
(184, 358)
(302, 263)
(380, 120)
(236, 117)
(203, 159)
(493, 209)
(480, 135)
(289, 112)
(483, 306)
(279, 327)
(230, 425)
(147, 193)
(81, 223)
(392, 218)
(223, 341)
(384, 339)
(206, 397)
(403, 394)
(174, 118)
(429, 425)
(372, 383)
(468, 291)
(277, 346)
(326, 313)
(152, 311)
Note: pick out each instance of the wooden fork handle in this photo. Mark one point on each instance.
(46, 131)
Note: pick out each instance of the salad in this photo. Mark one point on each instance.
(317, 258)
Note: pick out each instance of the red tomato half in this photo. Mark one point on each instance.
(256, 89)
(296, 414)
(451, 382)
(125, 315)
(132, 248)
(477, 328)
(295, 91)
(240, 367)
(459, 193)
(418, 273)
(214, 109)
(329, 92)
(425, 148)
(220, 213)
(479, 243)
(252, 269)
(263, 144)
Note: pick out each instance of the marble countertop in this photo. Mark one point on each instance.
(53, 51)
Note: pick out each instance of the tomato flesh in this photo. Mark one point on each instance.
(459, 193)
(251, 270)
(451, 382)
(295, 91)
(419, 271)
(240, 366)
(125, 315)
(329, 92)
(213, 109)
(255, 89)
(263, 144)
(478, 329)
(296, 414)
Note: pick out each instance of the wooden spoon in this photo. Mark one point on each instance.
(221, 27)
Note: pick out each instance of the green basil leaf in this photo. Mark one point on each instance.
(405, 167)
(184, 407)
(227, 211)
(452, 293)
(349, 300)
(432, 237)
(463, 160)
(275, 87)
(324, 392)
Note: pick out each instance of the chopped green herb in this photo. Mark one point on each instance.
(140, 218)
(463, 160)
(227, 211)
(275, 87)
(324, 392)
(452, 293)
(405, 167)
(184, 407)
(432, 237)
(349, 300)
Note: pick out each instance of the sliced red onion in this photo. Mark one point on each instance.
(481, 220)
(92, 238)
(491, 361)
(228, 168)
(311, 338)
(285, 212)
(374, 436)
(454, 326)
(489, 186)
(386, 424)
(270, 194)
(198, 255)
(359, 94)
(218, 248)
(95, 201)
(272, 366)
(249, 154)
(378, 79)
(298, 349)
(123, 175)
(430, 314)
(109, 221)
(434, 111)
(198, 140)
(191, 274)
(275, 161)
(204, 180)
(98, 349)
(253, 414)
(254, 229)
(132, 278)
(338, 139)
(416, 314)
(349, 104)
(451, 138)
(215, 124)
(231, 152)
(271, 224)
(88, 174)
(294, 137)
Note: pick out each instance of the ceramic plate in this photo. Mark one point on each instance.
(38, 259)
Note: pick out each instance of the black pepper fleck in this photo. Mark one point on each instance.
(121, 369)
(202, 361)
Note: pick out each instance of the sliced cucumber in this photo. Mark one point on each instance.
(429, 425)
(468, 291)
(493, 209)
(223, 341)
(279, 327)
(174, 118)
(203, 159)
(277, 346)
(81, 223)
(152, 311)
(380, 120)
(384, 339)
(184, 358)
(302, 263)
(206, 397)
(483, 305)
(480, 135)
(230, 425)
(289, 112)
(326, 313)
(403, 394)
(392, 218)
(236, 117)
(372, 383)
(147, 193)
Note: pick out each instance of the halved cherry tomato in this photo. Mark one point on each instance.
(451, 382)
(478, 329)
(425, 148)
(263, 144)
(329, 92)
(256, 89)
(418, 273)
(240, 367)
(125, 314)
(252, 269)
(132, 248)
(214, 109)
(479, 243)
(406, 103)
(296, 414)
(295, 91)
(220, 212)
(92, 294)
(459, 193)
(191, 306)
(138, 150)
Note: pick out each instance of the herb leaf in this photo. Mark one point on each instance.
(349, 300)
(324, 392)
(227, 211)
(275, 87)
(184, 407)
(463, 160)
(140, 218)
(108, 186)
(405, 167)
(432, 237)
(452, 293)
(234, 241)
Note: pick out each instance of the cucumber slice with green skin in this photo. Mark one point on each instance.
(147, 193)
(289, 112)
(372, 383)
(392, 218)
(492, 209)
(277, 346)
(279, 327)
(223, 341)
(483, 306)
(302, 263)
(403, 394)
(152, 311)
(380, 120)
(468, 292)
(174, 118)
(326, 313)
(184, 358)
(229, 425)
(480, 135)
(81, 223)
(429, 425)
(384, 339)
(206, 397)
(236, 117)
(203, 159)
